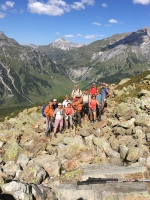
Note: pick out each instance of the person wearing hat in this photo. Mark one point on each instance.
(66, 101)
(55, 105)
(105, 93)
(76, 93)
(49, 111)
(58, 114)
(93, 89)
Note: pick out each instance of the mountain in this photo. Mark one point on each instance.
(28, 75)
(110, 59)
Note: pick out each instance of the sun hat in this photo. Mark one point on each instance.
(54, 99)
(103, 84)
(59, 104)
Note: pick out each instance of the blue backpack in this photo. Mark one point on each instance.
(43, 108)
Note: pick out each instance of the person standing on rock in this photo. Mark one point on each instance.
(86, 98)
(58, 115)
(105, 93)
(93, 89)
(92, 108)
(66, 101)
(69, 112)
(55, 104)
(49, 111)
(77, 106)
(76, 93)
(100, 100)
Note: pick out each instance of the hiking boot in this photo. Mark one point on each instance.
(72, 127)
(61, 132)
(55, 135)
(47, 134)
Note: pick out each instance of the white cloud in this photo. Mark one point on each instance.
(69, 36)
(3, 7)
(104, 5)
(57, 33)
(52, 7)
(56, 7)
(144, 2)
(9, 4)
(89, 36)
(96, 23)
(79, 35)
(108, 25)
(21, 11)
(88, 2)
(113, 21)
(78, 6)
(2, 15)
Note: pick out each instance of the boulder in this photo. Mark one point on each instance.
(127, 111)
(133, 154)
(32, 173)
(142, 120)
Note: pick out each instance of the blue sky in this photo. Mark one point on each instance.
(40, 22)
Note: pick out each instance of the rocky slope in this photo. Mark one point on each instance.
(37, 167)
(28, 75)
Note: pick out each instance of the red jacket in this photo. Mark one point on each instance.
(93, 90)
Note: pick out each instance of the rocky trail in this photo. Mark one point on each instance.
(33, 166)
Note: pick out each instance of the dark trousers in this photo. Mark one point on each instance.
(78, 117)
(86, 109)
(98, 113)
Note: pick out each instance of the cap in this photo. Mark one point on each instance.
(54, 99)
(51, 100)
(59, 104)
(93, 84)
(103, 84)
(67, 95)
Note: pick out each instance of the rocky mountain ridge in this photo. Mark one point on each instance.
(33, 166)
(112, 59)
(28, 75)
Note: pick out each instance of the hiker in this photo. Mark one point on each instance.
(76, 93)
(49, 111)
(100, 100)
(93, 89)
(105, 93)
(92, 108)
(55, 105)
(69, 112)
(77, 106)
(58, 115)
(66, 101)
(86, 98)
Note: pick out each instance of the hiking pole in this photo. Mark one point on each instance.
(108, 180)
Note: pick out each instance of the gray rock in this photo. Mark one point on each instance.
(23, 160)
(133, 154)
(123, 151)
(18, 190)
(142, 120)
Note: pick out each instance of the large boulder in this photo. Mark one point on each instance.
(127, 111)
(142, 120)
(32, 173)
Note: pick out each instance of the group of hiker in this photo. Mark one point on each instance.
(70, 112)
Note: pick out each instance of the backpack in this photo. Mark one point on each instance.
(43, 108)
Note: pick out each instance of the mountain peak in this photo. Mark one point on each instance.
(2, 35)
(64, 44)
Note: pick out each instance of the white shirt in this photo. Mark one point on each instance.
(65, 102)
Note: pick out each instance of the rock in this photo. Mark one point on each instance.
(144, 93)
(71, 165)
(49, 163)
(142, 120)
(133, 154)
(12, 151)
(123, 151)
(118, 130)
(23, 160)
(32, 173)
(124, 110)
(145, 103)
(10, 168)
(123, 81)
(115, 145)
(84, 132)
(138, 133)
(18, 190)
(116, 161)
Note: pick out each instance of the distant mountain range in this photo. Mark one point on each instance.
(31, 73)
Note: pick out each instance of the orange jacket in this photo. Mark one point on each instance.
(49, 111)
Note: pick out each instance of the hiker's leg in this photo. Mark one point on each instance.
(79, 117)
(99, 114)
(60, 125)
(47, 124)
(66, 123)
(56, 125)
(94, 115)
(70, 120)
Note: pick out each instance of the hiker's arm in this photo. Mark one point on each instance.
(98, 103)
